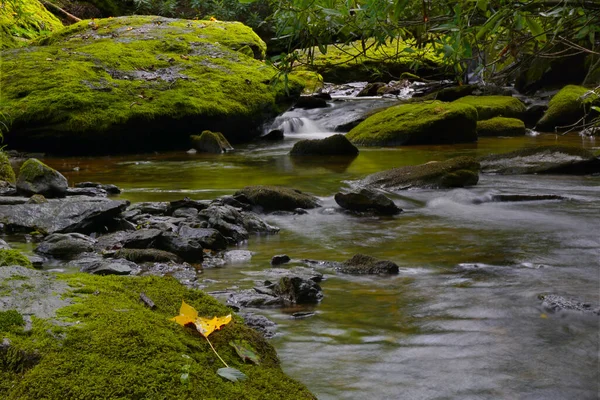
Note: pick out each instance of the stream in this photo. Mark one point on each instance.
(462, 319)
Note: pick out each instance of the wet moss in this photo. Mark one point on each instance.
(10, 319)
(567, 107)
(272, 198)
(494, 106)
(21, 21)
(211, 142)
(420, 123)
(112, 346)
(13, 257)
(6, 171)
(500, 126)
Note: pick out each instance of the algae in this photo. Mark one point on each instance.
(494, 106)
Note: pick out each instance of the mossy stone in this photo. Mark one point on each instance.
(35, 177)
(147, 255)
(274, 198)
(10, 257)
(10, 319)
(21, 21)
(500, 126)
(419, 123)
(139, 83)
(334, 145)
(494, 106)
(566, 108)
(210, 142)
(6, 171)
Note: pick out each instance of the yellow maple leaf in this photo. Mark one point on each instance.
(207, 326)
(187, 315)
(213, 19)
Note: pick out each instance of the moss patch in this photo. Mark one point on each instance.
(113, 346)
(13, 257)
(272, 198)
(10, 319)
(420, 123)
(501, 126)
(21, 21)
(211, 142)
(494, 106)
(567, 107)
(6, 171)
(119, 84)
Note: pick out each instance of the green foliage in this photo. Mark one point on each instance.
(10, 257)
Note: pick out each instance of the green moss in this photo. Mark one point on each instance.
(13, 257)
(418, 123)
(349, 63)
(119, 84)
(32, 169)
(6, 171)
(23, 20)
(311, 80)
(145, 255)
(10, 319)
(567, 107)
(337, 145)
(500, 126)
(272, 198)
(115, 347)
(494, 106)
(211, 142)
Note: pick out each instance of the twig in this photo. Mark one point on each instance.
(60, 10)
(146, 300)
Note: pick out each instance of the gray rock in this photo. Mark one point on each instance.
(367, 200)
(280, 259)
(297, 290)
(227, 220)
(184, 273)
(111, 267)
(260, 323)
(277, 198)
(207, 237)
(65, 245)
(554, 303)
(309, 102)
(63, 216)
(12, 200)
(237, 256)
(210, 142)
(89, 191)
(188, 248)
(150, 207)
(274, 135)
(188, 203)
(252, 298)
(4, 245)
(109, 188)
(335, 145)
(140, 239)
(35, 177)
(185, 212)
(254, 224)
(146, 255)
(362, 264)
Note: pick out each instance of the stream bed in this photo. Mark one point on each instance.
(463, 318)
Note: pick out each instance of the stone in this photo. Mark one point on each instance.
(111, 267)
(189, 249)
(566, 108)
(87, 191)
(372, 89)
(185, 212)
(273, 136)
(227, 220)
(187, 203)
(335, 145)
(7, 174)
(65, 245)
(210, 142)
(501, 126)
(35, 177)
(109, 188)
(362, 264)
(260, 323)
(297, 290)
(154, 208)
(277, 198)
(367, 200)
(456, 172)
(147, 255)
(494, 106)
(208, 238)
(37, 199)
(280, 259)
(138, 239)
(310, 102)
(554, 303)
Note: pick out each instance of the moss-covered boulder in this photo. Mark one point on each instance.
(10, 257)
(6, 171)
(21, 21)
(276, 198)
(210, 142)
(334, 145)
(494, 106)
(500, 126)
(421, 123)
(456, 172)
(35, 177)
(97, 340)
(367, 200)
(138, 83)
(567, 107)
(543, 160)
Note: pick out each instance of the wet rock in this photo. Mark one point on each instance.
(187, 203)
(500, 126)
(186, 212)
(363, 264)
(367, 200)
(252, 298)
(494, 106)
(111, 267)
(534, 113)
(153, 208)
(62, 216)
(210, 142)
(555, 303)
(274, 274)
(237, 256)
(335, 145)
(260, 323)
(297, 290)
(184, 273)
(7, 188)
(108, 188)
(165, 224)
(37, 199)
(139, 239)
(35, 177)
(12, 200)
(147, 255)
(277, 198)
(542, 160)
(371, 89)
(254, 224)
(280, 259)
(188, 248)
(309, 102)
(4, 245)
(227, 220)
(454, 92)
(273, 136)
(566, 108)
(456, 172)
(89, 191)
(65, 245)
(208, 238)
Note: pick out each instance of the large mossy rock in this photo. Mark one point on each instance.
(567, 107)
(21, 21)
(494, 106)
(456, 172)
(95, 339)
(35, 177)
(6, 171)
(500, 126)
(138, 83)
(335, 145)
(542, 160)
(421, 123)
(361, 264)
(276, 198)
(210, 142)
(366, 200)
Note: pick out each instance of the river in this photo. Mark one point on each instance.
(462, 319)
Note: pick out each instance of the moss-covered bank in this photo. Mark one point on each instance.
(494, 106)
(138, 83)
(567, 107)
(109, 345)
(21, 21)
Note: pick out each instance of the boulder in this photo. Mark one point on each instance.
(372, 89)
(190, 250)
(494, 106)
(567, 107)
(109, 188)
(542, 160)
(367, 200)
(65, 245)
(456, 172)
(35, 177)
(555, 303)
(139, 239)
(208, 238)
(310, 102)
(277, 198)
(7, 173)
(297, 290)
(210, 142)
(273, 136)
(280, 259)
(363, 264)
(111, 267)
(148, 207)
(501, 126)
(62, 216)
(139, 83)
(227, 220)
(21, 22)
(254, 224)
(335, 145)
(419, 123)
(89, 191)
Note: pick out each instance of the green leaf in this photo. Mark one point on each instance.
(482, 4)
(489, 25)
(596, 108)
(245, 351)
(231, 374)
(246, 1)
(535, 28)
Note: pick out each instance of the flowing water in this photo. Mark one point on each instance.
(462, 320)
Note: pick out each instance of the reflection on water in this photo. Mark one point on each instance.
(462, 320)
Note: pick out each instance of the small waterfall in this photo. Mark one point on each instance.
(297, 124)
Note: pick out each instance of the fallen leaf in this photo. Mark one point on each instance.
(213, 19)
(207, 326)
(232, 374)
(245, 351)
(187, 315)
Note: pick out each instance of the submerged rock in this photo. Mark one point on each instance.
(567, 107)
(420, 123)
(494, 106)
(210, 142)
(456, 172)
(35, 177)
(280, 259)
(367, 200)
(297, 290)
(65, 245)
(542, 160)
(363, 264)
(335, 145)
(274, 135)
(277, 198)
(554, 303)
(500, 126)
